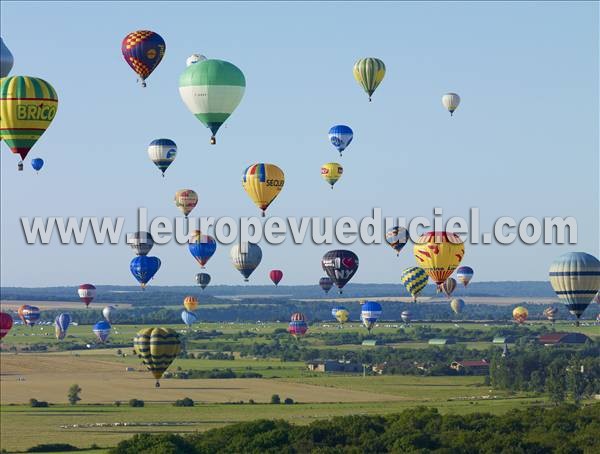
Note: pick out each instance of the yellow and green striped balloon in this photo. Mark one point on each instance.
(157, 348)
(27, 107)
(369, 72)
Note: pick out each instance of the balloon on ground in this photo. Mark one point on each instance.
(102, 330)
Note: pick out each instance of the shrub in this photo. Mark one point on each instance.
(185, 402)
(136, 403)
(117, 403)
(38, 403)
(275, 399)
(53, 447)
(288, 401)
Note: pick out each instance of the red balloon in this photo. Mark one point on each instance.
(276, 276)
(6, 323)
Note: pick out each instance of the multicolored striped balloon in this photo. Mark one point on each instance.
(369, 72)
(157, 348)
(415, 280)
(575, 277)
(211, 90)
(27, 107)
(297, 328)
(143, 50)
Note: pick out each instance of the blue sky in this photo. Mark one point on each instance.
(524, 141)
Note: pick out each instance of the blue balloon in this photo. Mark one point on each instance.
(189, 318)
(63, 321)
(203, 249)
(144, 268)
(102, 330)
(37, 164)
(369, 313)
(340, 136)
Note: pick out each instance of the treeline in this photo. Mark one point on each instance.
(565, 429)
(562, 372)
(272, 310)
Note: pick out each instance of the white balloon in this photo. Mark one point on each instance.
(194, 58)
(451, 101)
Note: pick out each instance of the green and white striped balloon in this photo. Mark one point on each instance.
(211, 90)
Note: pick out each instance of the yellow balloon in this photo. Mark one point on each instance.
(27, 107)
(190, 303)
(439, 254)
(520, 314)
(331, 172)
(186, 200)
(263, 182)
(369, 72)
(157, 348)
(342, 316)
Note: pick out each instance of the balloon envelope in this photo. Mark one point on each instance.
(340, 265)
(332, 172)
(397, 237)
(276, 276)
(190, 303)
(186, 200)
(263, 182)
(189, 318)
(162, 153)
(575, 277)
(550, 313)
(144, 268)
(102, 330)
(108, 313)
(6, 59)
(6, 323)
(157, 348)
(520, 314)
(297, 328)
(451, 101)
(457, 305)
(245, 258)
(143, 50)
(326, 283)
(370, 312)
(37, 164)
(63, 321)
(415, 280)
(140, 242)
(86, 292)
(202, 247)
(449, 286)
(29, 315)
(464, 274)
(27, 107)
(211, 90)
(369, 72)
(203, 279)
(340, 137)
(439, 253)
(406, 316)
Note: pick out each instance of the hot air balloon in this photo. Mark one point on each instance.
(37, 164)
(202, 279)
(157, 348)
(397, 237)
(27, 107)
(596, 298)
(143, 50)
(369, 72)
(186, 200)
(464, 274)
(211, 90)
(144, 268)
(86, 292)
(457, 305)
(341, 314)
(406, 316)
(276, 276)
(340, 265)
(189, 318)
(190, 303)
(414, 279)
(297, 329)
(451, 101)
(448, 286)
(162, 153)
(102, 330)
(340, 137)
(140, 242)
(193, 59)
(575, 277)
(202, 247)
(62, 323)
(331, 172)
(108, 313)
(29, 315)
(263, 182)
(370, 312)
(550, 313)
(6, 59)
(520, 314)
(245, 258)
(6, 323)
(326, 283)
(439, 253)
